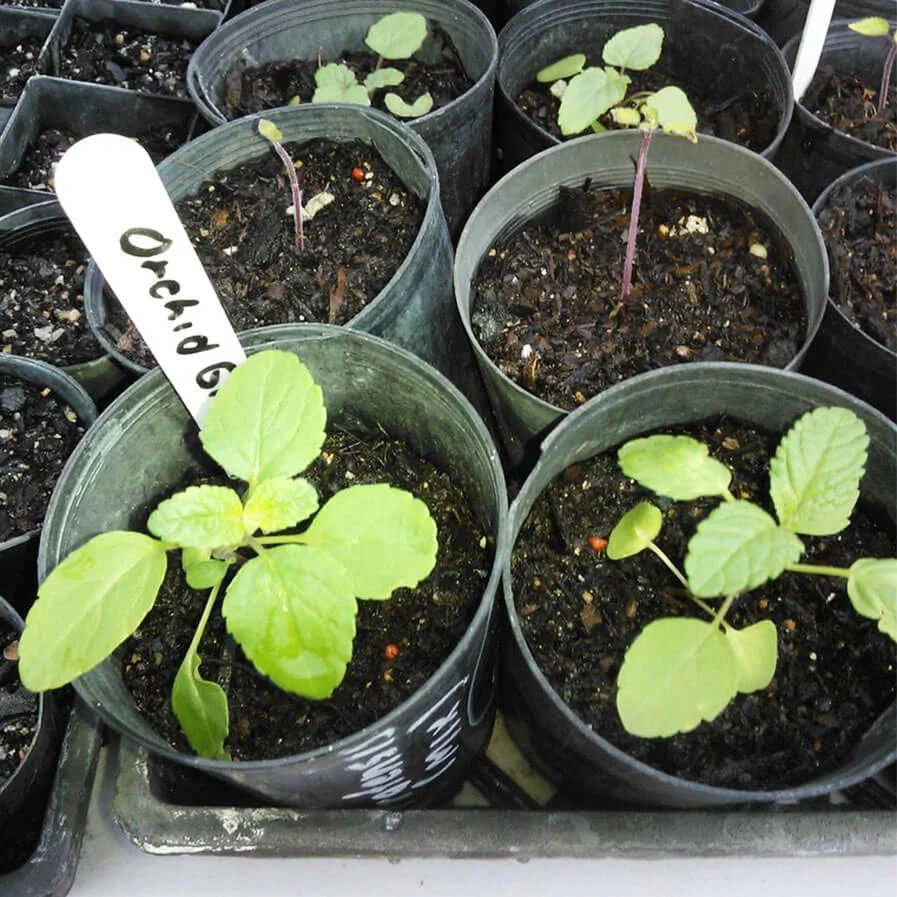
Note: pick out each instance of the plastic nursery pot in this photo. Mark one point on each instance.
(459, 133)
(700, 36)
(841, 353)
(782, 19)
(18, 555)
(18, 25)
(415, 309)
(101, 377)
(549, 732)
(813, 153)
(748, 8)
(362, 377)
(710, 166)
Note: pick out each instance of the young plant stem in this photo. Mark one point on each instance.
(669, 564)
(204, 619)
(720, 615)
(296, 191)
(637, 188)
(886, 76)
(818, 570)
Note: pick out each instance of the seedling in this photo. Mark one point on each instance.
(272, 134)
(292, 603)
(680, 671)
(874, 26)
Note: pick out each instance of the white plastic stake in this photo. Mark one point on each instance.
(815, 29)
(116, 201)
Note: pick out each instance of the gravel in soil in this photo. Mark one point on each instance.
(712, 281)
(859, 228)
(109, 53)
(19, 64)
(241, 225)
(843, 101)
(38, 432)
(580, 611)
(33, 4)
(18, 707)
(399, 643)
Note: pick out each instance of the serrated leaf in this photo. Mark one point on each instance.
(203, 517)
(814, 478)
(871, 26)
(267, 420)
(676, 467)
(385, 77)
(205, 574)
(756, 650)
(398, 35)
(676, 674)
(635, 530)
(293, 612)
(634, 48)
(563, 68)
(336, 83)
(269, 130)
(737, 546)
(872, 589)
(397, 106)
(385, 537)
(671, 110)
(88, 606)
(201, 708)
(279, 504)
(590, 94)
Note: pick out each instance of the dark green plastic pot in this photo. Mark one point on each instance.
(782, 19)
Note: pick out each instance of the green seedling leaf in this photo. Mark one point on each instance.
(634, 48)
(384, 536)
(872, 589)
(626, 116)
(670, 109)
(336, 83)
(385, 77)
(563, 68)
(589, 95)
(872, 26)
(279, 504)
(397, 106)
(676, 674)
(397, 35)
(267, 420)
(736, 547)
(677, 467)
(814, 478)
(201, 709)
(756, 650)
(205, 574)
(269, 130)
(293, 612)
(88, 606)
(636, 529)
(200, 517)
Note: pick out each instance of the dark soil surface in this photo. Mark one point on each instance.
(18, 707)
(580, 611)
(436, 68)
(859, 227)
(849, 105)
(424, 623)
(245, 237)
(745, 117)
(33, 4)
(109, 53)
(42, 300)
(19, 63)
(547, 301)
(37, 434)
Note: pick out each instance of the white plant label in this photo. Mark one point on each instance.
(812, 40)
(116, 201)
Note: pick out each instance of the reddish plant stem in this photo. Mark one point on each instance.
(297, 193)
(886, 76)
(634, 214)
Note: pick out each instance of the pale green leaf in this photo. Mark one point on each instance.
(563, 68)
(200, 517)
(201, 708)
(590, 94)
(205, 574)
(871, 26)
(336, 83)
(676, 674)
(293, 613)
(267, 420)
(397, 106)
(397, 35)
(736, 547)
(636, 529)
(756, 650)
(626, 116)
(385, 537)
(671, 110)
(872, 589)
(814, 478)
(191, 556)
(677, 467)
(88, 606)
(634, 48)
(385, 77)
(269, 130)
(279, 504)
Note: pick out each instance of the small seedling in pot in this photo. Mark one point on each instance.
(874, 26)
(272, 134)
(680, 671)
(292, 603)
